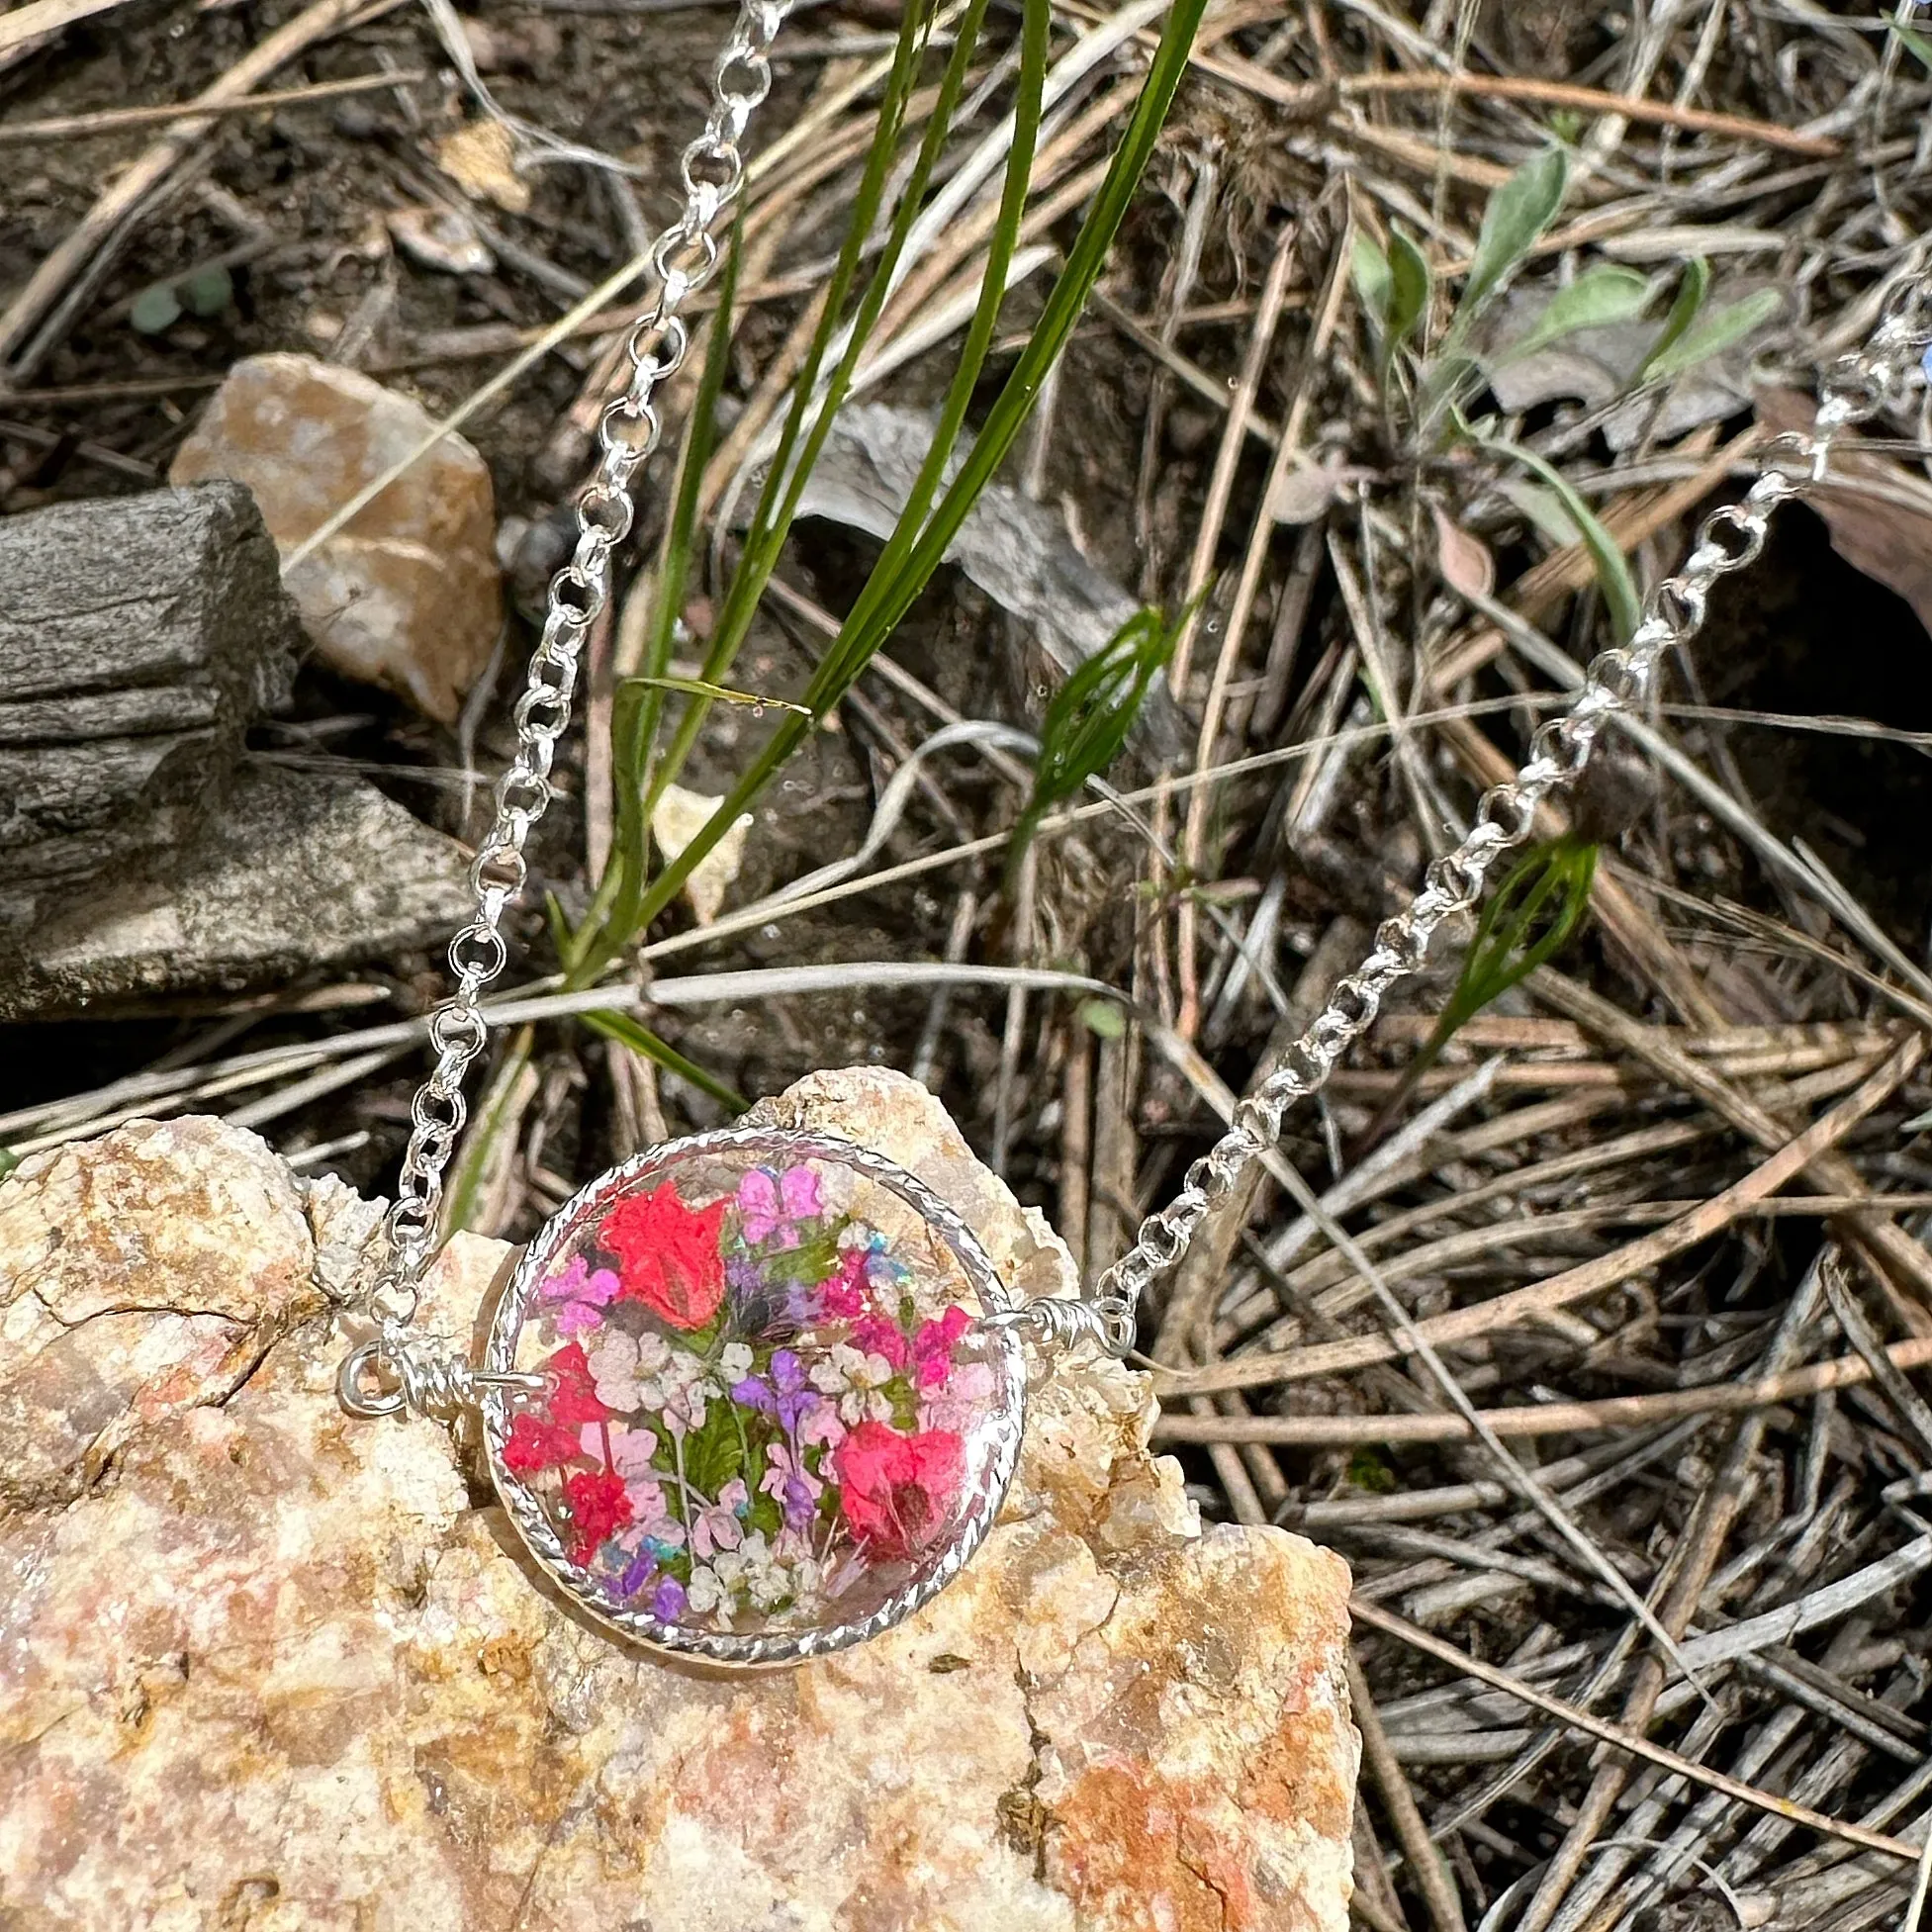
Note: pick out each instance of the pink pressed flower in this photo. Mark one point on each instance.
(842, 1295)
(874, 1334)
(821, 1423)
(631, 1450)
(963, 1401)
(580, 1293)
(646, 1504)
(774, 1204)
(932, 1348)
(896, 1491)
(716, 1526)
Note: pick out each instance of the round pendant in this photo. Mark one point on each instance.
(768, 1419)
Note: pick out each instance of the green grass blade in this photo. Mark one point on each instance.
(808, 422)
(626, 1031)
(859, 640)
(1713, 333)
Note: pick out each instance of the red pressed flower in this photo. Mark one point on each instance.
(598, 1505)
(573, 1395)
(668, 1254)
(537, 1445)
(896, 1491)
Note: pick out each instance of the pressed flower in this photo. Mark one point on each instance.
(668, 1603)
(631, 1450)
(896, 1491)
(536, 1445)
(716, 1526)
(792, 1485)
(598, 1505)
(668, 1254)
(637, 1573)
(876, 1335)
(933, 1346)
(573, 1393)
(961, 1402)
(772, 1205)
(580, 1293)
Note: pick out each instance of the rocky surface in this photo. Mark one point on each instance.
(265, 1666)
(407, 596)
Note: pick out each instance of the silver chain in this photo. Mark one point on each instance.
(685, 257)
(1853, 390)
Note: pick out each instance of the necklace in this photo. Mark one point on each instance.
(758, 1394)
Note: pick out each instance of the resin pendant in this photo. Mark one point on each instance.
(772, 1419)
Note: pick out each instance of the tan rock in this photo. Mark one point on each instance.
(677, 819)
(265, 1665)
(409, 594)
(481, 157)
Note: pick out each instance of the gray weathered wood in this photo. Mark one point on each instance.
(140, 637)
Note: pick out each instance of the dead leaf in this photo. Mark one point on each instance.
(1464, 560)
(481, 158)
(1888, 536)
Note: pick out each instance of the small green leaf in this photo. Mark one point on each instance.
(1916, 44)
(1613, 577)
(1102, 1018)
(1717, 333)
(9, 1160)
(1691, 287)
(1514, 222)
(1529, 920)
(154, 309)
(1412, 285)
(1370, 1471)
(1369, 268)
(1089, 717)
(715, 1454)
(1599, 296)
(208, 291)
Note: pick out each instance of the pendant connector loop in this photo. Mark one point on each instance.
(1062, 1322)
(392, 1374)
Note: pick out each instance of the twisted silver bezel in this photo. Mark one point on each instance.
(751, 1651)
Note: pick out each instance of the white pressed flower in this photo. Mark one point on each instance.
(864, 1400)
(612, 1361)
(734, 1363)
(706, 1591)
(832, 1373)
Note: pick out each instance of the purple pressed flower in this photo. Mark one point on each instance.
(643, 1567)
(787, 1371)
(668, 1605)
(754, 1392)
(742, 1275)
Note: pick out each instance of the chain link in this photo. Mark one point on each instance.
(1852, 391)
(684, 258)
